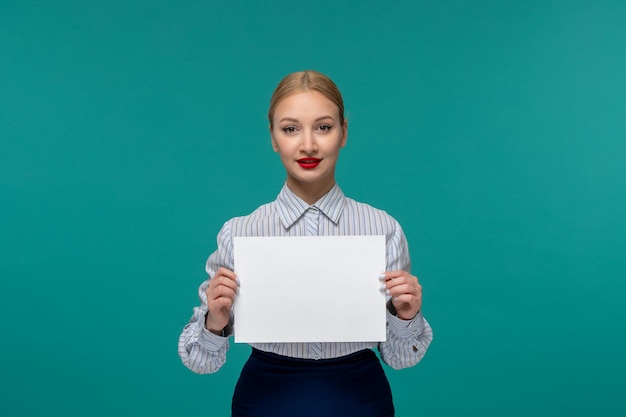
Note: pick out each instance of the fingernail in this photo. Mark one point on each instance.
(395, 299)
(238, 283)
(381, 277)
(383, 288)
(388, 292)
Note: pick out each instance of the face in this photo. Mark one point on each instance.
(307, 135)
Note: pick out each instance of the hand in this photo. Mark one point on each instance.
(405, 291)
(220, 294)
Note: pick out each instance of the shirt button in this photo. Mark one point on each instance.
(316, 356)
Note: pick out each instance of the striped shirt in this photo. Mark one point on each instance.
(288, 215)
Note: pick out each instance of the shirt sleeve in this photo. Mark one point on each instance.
(407, 340)
(200, 350)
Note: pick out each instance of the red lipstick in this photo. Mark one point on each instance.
(309, 163)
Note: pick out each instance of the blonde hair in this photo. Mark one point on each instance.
(301, 81)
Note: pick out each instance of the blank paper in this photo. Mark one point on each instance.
(310, 289)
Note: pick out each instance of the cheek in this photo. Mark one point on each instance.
(335, 147)
(282, 149)
(276, 143)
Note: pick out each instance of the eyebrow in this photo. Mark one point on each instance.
(291, 119)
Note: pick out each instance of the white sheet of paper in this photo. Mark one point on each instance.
(310, 289)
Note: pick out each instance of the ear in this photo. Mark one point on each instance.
(274, 145)
(344, 128)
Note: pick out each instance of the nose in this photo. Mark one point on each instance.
(308, 145)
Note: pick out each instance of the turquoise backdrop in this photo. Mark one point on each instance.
(494, 131)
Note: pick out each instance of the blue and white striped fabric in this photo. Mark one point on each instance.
(288, 215)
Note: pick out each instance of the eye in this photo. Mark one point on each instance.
(324, 127)
(289, 129)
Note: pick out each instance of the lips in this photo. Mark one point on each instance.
(309, 163)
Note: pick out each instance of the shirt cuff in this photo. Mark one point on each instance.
(406, 328)
(210, 340)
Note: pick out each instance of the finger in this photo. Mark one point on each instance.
(221, 306)
(407, 308)
(226, 273)
(389, 281)
(402, 284)
(228, 282)
(220, 303)
(406, 297)
(398, 276)
(403, 289)
(389, 275)
(403, 299)
(221, 291)
(403, 280)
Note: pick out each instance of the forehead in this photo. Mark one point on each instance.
(305, 104)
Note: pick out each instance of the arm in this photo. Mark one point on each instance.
(407, 341)
(408, 333)
(203, 350)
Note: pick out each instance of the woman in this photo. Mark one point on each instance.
(308, 130)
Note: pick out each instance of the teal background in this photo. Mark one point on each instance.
(493, 131)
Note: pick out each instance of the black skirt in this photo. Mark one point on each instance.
(272, 385)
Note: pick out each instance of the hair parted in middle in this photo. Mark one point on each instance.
(301, 81)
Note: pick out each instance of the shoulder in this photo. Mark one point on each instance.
(367, 217)
(257, 223)
(357, 207)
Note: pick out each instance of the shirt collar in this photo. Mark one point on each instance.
(291, 207)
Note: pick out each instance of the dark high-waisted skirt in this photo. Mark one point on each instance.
(277, 386)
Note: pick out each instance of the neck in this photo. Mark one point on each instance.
(308, 192)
